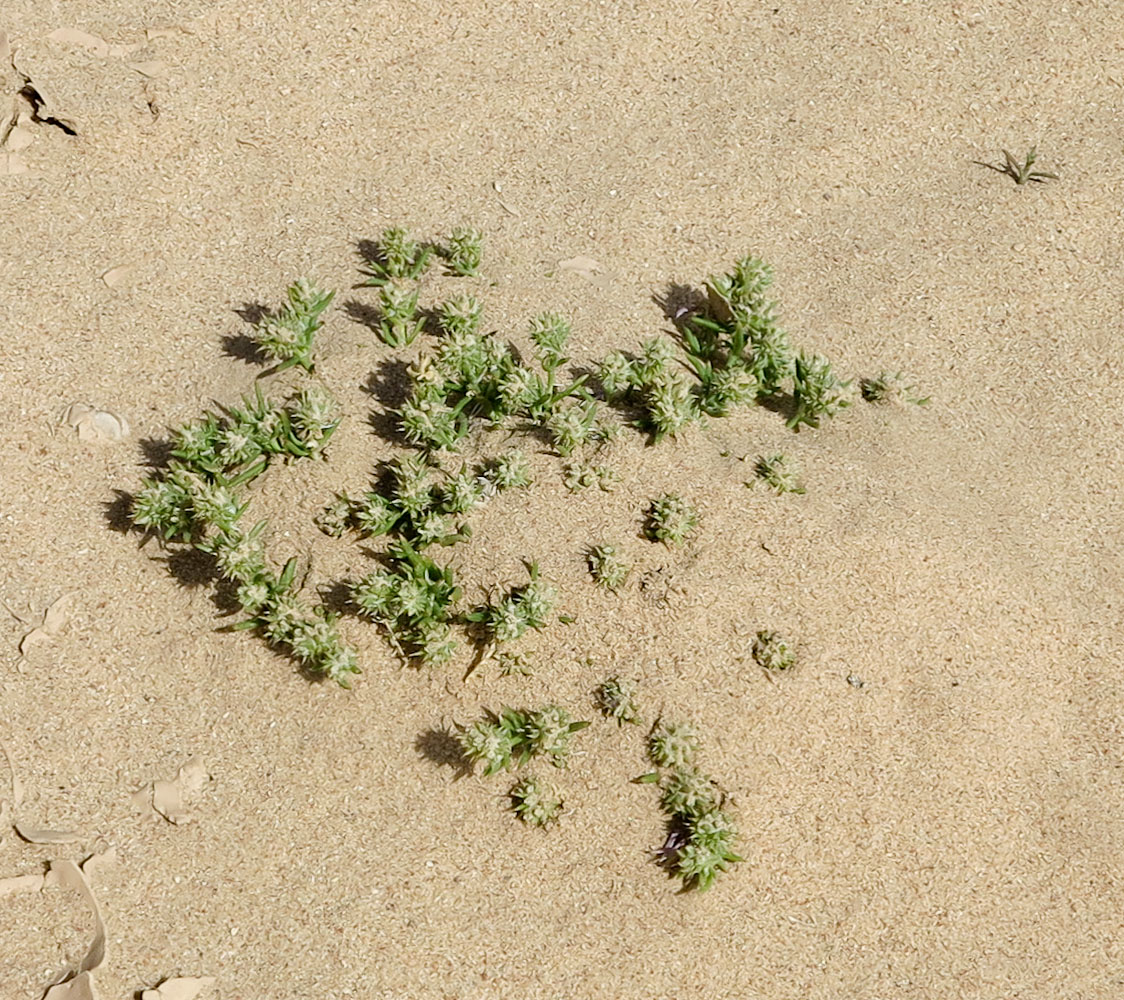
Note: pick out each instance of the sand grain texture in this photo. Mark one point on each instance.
(952, 828)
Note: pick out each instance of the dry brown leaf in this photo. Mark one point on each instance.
(81, 987)
(181, 988)
(152, 68)
(20, 883)
(38, 835)
(118, 275)
(69, 876)
(82, 39)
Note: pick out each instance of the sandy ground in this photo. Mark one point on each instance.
(951, 828)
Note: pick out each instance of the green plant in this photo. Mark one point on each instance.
(606, 566)
(700, 840)
(1021, 173)
(616, 697)
(708, 850)
(670, 519)
(400, 324)
(513, 737)
(737, 349)
(286, 335)
(510, 470)
(779, 472)
(772, 651)
(672, 744)
(336, 517)
(460, 315)
(891, 387)
(396, 256)
(535, 802)
(578, 476)
(463, 253)
(817, 392)
(527, 607)
(514, 664)
(414, 601)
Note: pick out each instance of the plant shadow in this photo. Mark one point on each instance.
(440, 746)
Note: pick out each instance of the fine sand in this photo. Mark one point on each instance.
(930, 804)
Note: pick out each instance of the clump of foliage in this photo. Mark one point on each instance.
(889, 388)
(286, 335)
(772, 651)
(399, 324)
(817, 392)
(415, 601)
(474, 375)
(511, 738)
(779, 472)
(529, 606)
(577, 476)
(606, 566)
(737, 349)
(464, 251)
(655, 384)
(535, 801)
(196, 501)
(701, 835)
(670, 519)
(616, 697)
(396, 257)
(673, 744)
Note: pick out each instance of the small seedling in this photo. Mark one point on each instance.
(513, 737)
(535, 802)
(779, 473)
(577, 476)
(700, 839)
(400, 324)
(616, 697)
(521, 608)
(462, 255)
(459, 315)
(772, 651)
(514, 664)
(509, 471)
(335, 518)
(606, 567)
(670, 520)
(817, 392)
(1022, 173)
(286, 335)
(396, 257)
(672, 744)
(891, 388)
